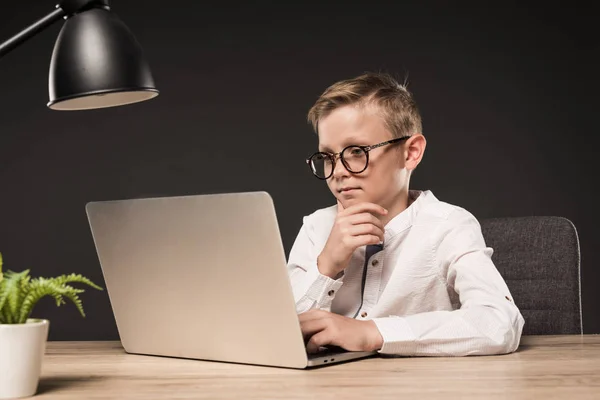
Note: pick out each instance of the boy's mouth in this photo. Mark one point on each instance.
(347, 189)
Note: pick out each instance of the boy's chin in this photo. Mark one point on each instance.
(347, 202)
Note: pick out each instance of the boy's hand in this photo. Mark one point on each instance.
(354, 226)
(322, 328)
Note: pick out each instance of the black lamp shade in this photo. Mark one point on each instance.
(97, 63)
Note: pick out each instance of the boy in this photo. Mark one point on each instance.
(388, 268)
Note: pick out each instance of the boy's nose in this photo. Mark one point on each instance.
(339, 169)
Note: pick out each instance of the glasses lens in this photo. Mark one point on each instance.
(321, 165)
(355, 159)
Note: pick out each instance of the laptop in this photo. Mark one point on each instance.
(202, 277)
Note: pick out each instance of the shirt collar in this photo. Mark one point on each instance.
(404, 220)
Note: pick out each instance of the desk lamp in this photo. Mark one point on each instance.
(96, 61)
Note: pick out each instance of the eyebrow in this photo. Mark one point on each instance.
(348, 142)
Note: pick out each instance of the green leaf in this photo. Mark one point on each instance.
(41, 287)
(56, 288)
(12, 295)
(63, 279)
(3, 318)
(19, 293)
(72, 294)
(3, 294)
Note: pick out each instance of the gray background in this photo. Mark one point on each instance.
(508, 95)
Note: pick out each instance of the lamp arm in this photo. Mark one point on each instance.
(31, 31)
(64, 8)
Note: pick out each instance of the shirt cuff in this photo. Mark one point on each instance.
(398, 337)
(322, 289)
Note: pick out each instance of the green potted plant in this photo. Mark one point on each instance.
(22, 338)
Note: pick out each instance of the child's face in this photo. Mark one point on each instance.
(385, 176)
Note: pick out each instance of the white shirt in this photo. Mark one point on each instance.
(432, 291)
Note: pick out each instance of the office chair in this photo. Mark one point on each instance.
(539, 259)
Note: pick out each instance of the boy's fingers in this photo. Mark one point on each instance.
(365, 218)
(317, 341)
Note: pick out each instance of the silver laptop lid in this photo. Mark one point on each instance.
(199, 277)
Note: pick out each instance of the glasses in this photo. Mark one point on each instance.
(354, 158)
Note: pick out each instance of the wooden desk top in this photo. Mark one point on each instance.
(544, 367)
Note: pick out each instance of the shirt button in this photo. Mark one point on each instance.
(331, 292)
(364, 314)
(507, 298)
(374, 263)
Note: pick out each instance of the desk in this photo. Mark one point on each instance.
(544, 367)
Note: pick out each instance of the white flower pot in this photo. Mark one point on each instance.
(22, 348)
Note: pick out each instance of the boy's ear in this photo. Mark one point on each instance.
(415, 149)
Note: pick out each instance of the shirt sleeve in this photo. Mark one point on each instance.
(311, 288)
(487, 322)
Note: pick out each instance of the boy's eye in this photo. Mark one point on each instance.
(322, 158)
(356, 151)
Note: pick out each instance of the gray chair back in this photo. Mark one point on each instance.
(540, 261)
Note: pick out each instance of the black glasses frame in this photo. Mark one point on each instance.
(333, 156)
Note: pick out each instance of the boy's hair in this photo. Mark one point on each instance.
(393, 101)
